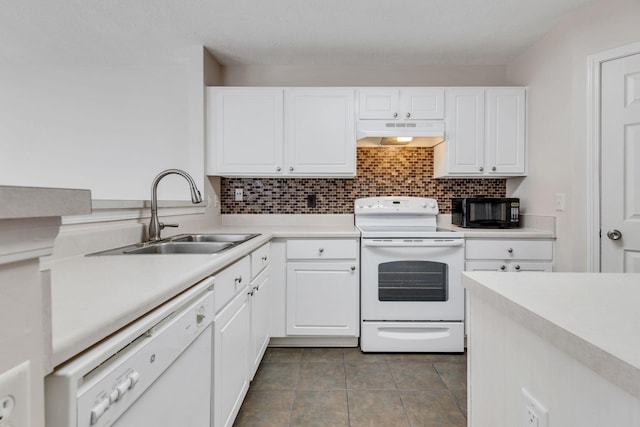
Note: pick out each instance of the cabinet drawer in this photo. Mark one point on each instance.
(260, 258)
(231, 280)
(509, 249)
(322, 249)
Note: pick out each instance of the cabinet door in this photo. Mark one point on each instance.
(421, 103)
(231, 360)
(505, 141)
(259, 319)
(320, 132)
(465, 131)
(379, 103)
(322, 298)
(244, 131)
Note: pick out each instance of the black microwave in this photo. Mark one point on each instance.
(485, 212)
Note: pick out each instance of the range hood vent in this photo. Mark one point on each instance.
(378, 133)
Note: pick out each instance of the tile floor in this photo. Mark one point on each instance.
(344, 387)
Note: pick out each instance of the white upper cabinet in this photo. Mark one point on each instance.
(281, 132)
(465, 131)
(403, 103)
(485, 133)
(244, 131)
(505, 131)
(320, 133)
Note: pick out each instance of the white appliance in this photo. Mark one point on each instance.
(412, 298)
(418, 133)
(154, 372)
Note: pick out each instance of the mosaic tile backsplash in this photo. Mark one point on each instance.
(389, 171)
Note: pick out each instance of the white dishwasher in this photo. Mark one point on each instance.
(154, 372)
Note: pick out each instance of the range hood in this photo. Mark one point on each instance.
(380, 133)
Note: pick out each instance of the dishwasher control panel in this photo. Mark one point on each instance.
(112, 387)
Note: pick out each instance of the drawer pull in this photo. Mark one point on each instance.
(250, 293)
(510, 250)
(353, 268)
(517, 267)
(321, 250)
(238, 279)
(503, 267)
(264, 258)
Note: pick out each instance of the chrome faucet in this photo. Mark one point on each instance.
(155, 226)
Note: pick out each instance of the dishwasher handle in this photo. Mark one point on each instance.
(403, 243)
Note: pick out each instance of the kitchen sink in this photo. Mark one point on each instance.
(180, 248)
(232, 238)
(182, 244)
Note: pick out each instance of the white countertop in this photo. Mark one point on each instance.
(92, 297)
(593, 317)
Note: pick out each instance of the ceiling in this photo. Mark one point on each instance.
(276, 32)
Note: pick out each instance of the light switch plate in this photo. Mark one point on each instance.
(560, 199)
(15, 408)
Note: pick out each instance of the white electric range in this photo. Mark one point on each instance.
(412, 298)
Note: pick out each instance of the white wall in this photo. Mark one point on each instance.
(555, 70)
(380, 75)
(110, 129)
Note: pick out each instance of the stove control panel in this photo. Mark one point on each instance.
(399, 205)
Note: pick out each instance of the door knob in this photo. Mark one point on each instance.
(614, 234)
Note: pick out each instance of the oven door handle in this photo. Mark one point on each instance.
(412, 243)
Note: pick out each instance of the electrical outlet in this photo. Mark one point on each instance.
(560, 201)
(14, 396)
(311, 201)
(239, 194)
(533, 413)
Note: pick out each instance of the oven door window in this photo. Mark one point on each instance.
(413, 281)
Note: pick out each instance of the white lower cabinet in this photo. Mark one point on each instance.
(509, 255)
(241, 331)
(231, 359)
(506, 255)
(259, 301)
(322, 288)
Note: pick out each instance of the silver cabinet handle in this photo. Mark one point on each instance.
(614, 234)
(517, 267)
(395, 115)
(321, 250)
(264, 258)
(238, 279)
(250, 293)
(278, 169)
(510, 250)
(493, 169)
(503, 267)
(481, 169)
(290, 168)
(408, 115)
(353, 268)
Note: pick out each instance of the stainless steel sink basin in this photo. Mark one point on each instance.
(183, 244)
(181, 248)
(233, 238)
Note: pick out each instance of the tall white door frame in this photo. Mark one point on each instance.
(594, 63)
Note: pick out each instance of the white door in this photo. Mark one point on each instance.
(322, 298)
(245, 131)
(620, 166)
(505, 138)
(422, 103)
(320, 131)
(465, 130)
(379, 103)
